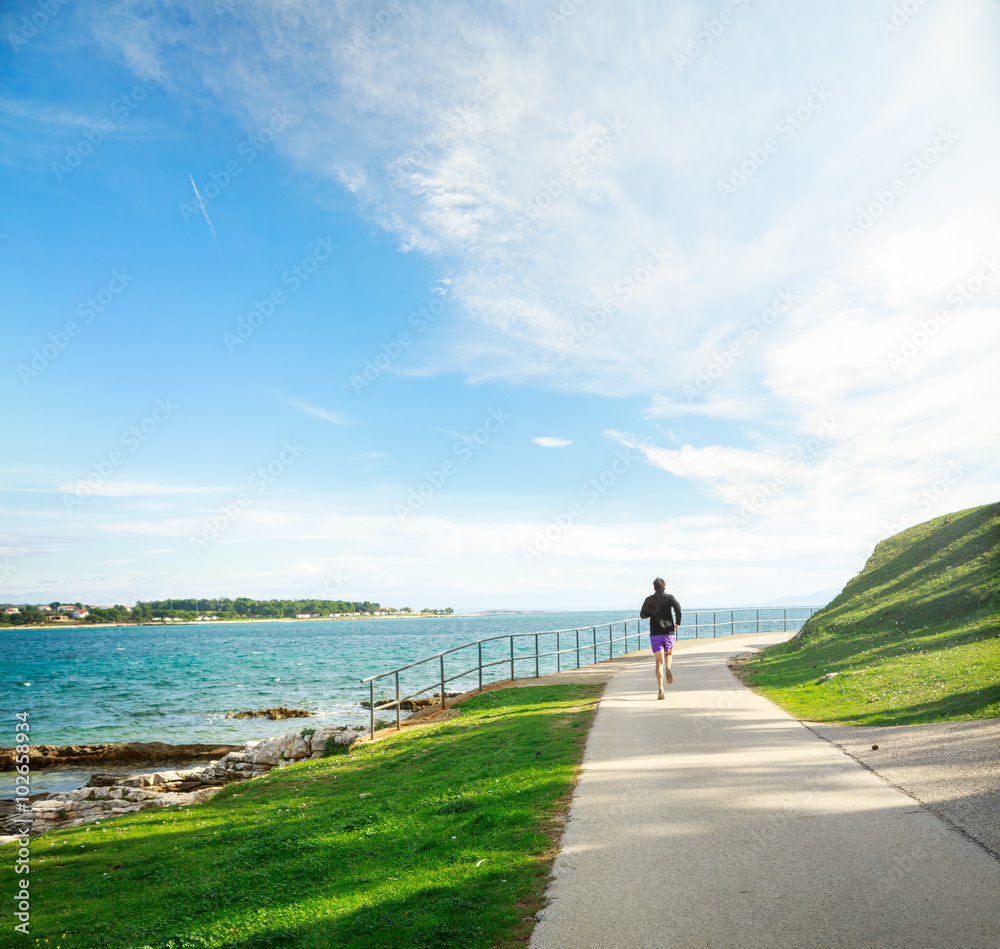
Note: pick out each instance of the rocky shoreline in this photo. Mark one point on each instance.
(130, 752)
(108, 794)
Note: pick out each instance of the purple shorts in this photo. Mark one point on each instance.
(662, 641)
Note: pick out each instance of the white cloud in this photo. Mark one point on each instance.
(315, 411)
(120, 489)
(453, 126)
(547, 442)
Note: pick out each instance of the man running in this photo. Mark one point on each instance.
(661, 609)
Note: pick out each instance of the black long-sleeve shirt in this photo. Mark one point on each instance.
(661, 605)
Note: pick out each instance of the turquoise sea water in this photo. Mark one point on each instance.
(176, 683)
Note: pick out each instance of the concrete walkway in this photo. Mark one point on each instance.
(713, 819)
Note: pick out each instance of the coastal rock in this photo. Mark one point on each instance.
(275, 714)
(106, 779)
(410, 705)
(133, 752)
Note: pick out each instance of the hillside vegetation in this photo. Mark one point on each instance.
(914, 637)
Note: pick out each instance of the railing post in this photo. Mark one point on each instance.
(577, 648)
(398, 726)
(443, 705)
(371, 709)
(536, 655)
(785, 613)
(758, 622)
(512, 657)
(696, 625)
(558, 652)
(713, 625)
(732, 623)
(593, 632)
(480, 644)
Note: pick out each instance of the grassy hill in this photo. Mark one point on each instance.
(914, 637)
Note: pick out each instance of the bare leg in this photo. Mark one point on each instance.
(662, 658)
(668, 664)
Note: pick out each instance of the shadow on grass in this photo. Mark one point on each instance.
(973, 704)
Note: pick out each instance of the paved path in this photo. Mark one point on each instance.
(952, 768)
(713, 819)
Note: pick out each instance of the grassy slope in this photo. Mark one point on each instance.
(914, 637)
(299, 859)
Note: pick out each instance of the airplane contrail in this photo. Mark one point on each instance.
(201, 204)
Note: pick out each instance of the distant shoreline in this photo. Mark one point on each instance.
(268, 619)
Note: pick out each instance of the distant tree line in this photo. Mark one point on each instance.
(29, 614)
(191, 608)
(244, 608)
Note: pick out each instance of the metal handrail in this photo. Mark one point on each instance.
(442, 679)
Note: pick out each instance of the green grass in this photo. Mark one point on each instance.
(914, 637)
(453, 847)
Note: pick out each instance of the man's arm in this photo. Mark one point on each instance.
(677, 610)
(643, 612)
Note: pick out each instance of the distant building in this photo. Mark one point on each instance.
(58, 618)
(11, 610)
(81, 614)
(45, 609)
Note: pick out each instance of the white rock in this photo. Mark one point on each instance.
(136, 781)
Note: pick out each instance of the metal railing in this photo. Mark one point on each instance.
(502, 650)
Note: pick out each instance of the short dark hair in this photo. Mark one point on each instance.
(659, 584)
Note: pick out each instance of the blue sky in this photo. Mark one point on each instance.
(512, 308)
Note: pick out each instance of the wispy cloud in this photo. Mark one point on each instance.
(123, 489)
(547, 442)
(335, 418)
